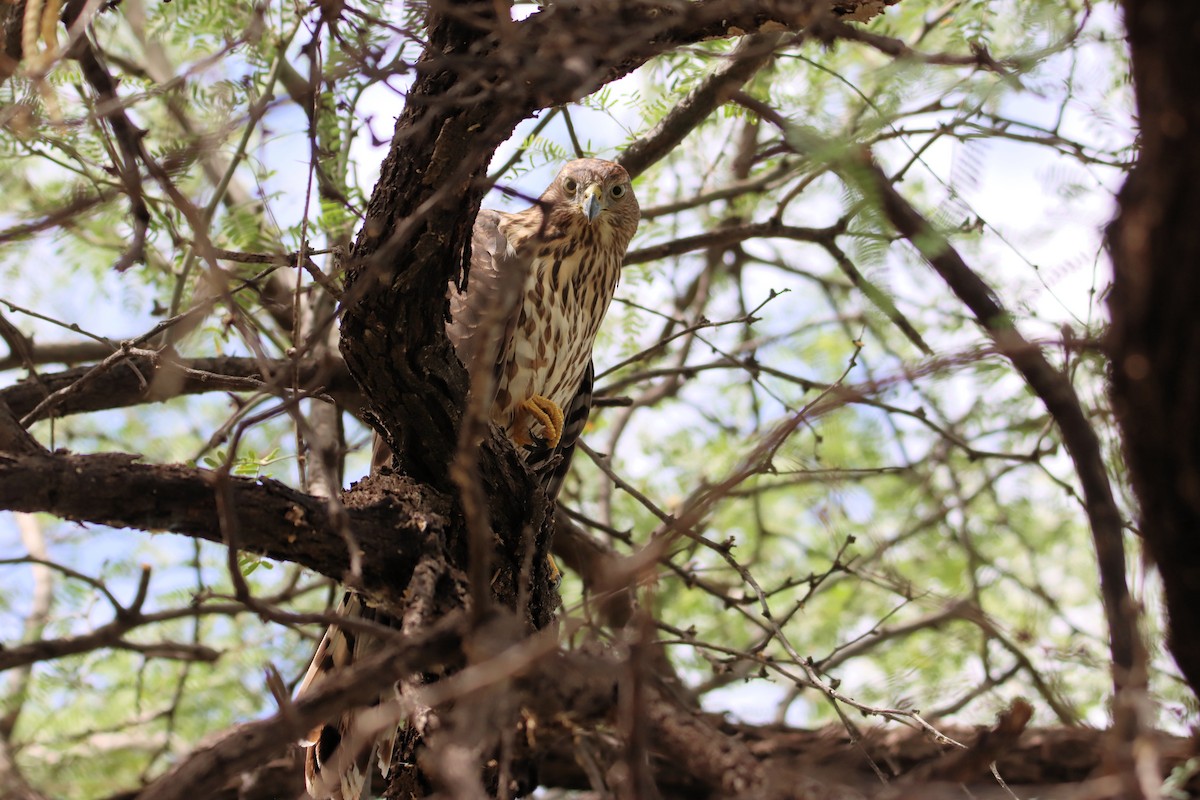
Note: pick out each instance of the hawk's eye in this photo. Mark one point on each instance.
(570, 184)
(618, 191)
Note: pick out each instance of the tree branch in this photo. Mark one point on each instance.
(57, 353)
(14, 438)
(154, 378)
(391, 517)
(751, 54)
(110, 636)
(1053, 760)
(1154, 342)
(1055, 391)
(724, 237)
(1050, 385)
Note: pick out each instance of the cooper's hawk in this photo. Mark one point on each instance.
(564, 256)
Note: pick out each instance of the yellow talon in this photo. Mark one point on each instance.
(555, 572)
(547, 412)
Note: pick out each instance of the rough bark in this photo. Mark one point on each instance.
(1046, 763)
(10, 26)
(391, 517)
(246, 746)
(1154, 343)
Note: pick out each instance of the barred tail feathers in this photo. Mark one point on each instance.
(330, 773)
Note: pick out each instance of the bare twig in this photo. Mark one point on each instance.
(1052, 386)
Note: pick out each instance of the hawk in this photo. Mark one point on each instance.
(563, 255)
(569, 247)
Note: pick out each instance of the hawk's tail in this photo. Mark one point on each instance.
(337, 758)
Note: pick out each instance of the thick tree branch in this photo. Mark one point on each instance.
(1046, 762)
(57, 353)
(391, 518)
(1155, 337)
(751, 54)
(14, 438)
(720, 762)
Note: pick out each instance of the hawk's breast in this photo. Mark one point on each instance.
(562, 305)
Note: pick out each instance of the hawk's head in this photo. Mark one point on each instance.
(597, 196)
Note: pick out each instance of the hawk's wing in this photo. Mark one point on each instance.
(483, 316)
(491, 302)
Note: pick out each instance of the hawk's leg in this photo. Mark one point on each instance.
(547, 412)
(552, 419)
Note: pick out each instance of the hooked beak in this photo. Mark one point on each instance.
(591, 202)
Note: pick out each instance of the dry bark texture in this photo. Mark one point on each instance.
(1046, 763)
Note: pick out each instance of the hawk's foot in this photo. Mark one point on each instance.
(555, 572)
(548, 413)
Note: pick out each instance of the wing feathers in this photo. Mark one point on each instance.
(489, 297)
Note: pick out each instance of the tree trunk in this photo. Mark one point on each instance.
(1155, 338)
